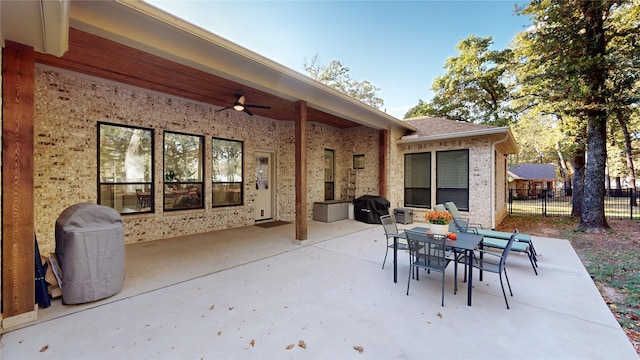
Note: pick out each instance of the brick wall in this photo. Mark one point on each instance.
(479, 174)
(69, 106)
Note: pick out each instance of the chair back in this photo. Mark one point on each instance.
(439, 207)
(453, 209)
(462, 224)
(428, 251)
(389, 225)
(507, 248)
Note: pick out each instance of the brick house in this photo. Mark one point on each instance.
(529, 180)
(100, 72)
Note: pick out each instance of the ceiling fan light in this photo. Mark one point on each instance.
(239, 104)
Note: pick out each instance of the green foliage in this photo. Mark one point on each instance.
(475, 87)
(555, 73)
(337, 76)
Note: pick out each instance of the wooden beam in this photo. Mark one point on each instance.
(382, 168)
(301, 169)
(18, 252)
(92, 55)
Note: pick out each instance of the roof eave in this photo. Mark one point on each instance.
(510, 147)
(147, 28)
(43, 25)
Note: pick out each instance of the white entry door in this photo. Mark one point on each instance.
(265, 186)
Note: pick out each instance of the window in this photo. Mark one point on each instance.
(183, 171)
(125, 166)
(329, 164)
(417, 180)
(358, 161)
(227, 172)
(452, 178)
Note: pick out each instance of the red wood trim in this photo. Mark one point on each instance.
(301, 169)
(382, 174)
(18, 252)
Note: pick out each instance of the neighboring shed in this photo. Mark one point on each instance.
(528, 180)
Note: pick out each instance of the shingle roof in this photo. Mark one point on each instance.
(533, 172)
(428, 126)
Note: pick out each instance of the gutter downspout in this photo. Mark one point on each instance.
(493, 179)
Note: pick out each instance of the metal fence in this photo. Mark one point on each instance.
(618, 204)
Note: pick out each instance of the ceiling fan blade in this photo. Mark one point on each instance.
(247, 111)
(257, 106)
(223, 109)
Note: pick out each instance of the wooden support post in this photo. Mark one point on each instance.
(382, 172)
(18, 252)
(301, 169)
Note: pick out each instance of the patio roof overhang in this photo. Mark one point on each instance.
(213, 70)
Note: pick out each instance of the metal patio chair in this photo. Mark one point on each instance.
(492, 262)
(391, 232)
(429, 253)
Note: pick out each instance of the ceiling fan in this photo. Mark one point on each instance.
(241, 105)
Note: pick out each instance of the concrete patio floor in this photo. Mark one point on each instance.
(252, 292)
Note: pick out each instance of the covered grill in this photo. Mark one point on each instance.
(90, 251)
(369, 208)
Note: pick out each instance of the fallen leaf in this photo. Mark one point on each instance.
(439, 315)
(212, 306)
(44, 348)
(359, 349)
(302, 344)
(252, 343)
(230, 307)
(219, 333)
(290, 346)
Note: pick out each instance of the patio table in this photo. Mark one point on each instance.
(464, 241)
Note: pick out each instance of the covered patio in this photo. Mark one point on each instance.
(253, 292)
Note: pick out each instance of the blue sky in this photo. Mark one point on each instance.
(398, 46)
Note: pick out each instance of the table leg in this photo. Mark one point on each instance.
(395, 259)
(481, 257)
(470, 256)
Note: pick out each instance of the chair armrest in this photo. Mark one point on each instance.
(400, 235)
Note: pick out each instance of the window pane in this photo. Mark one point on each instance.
(452, 177)
(227, 194)
(328, 165)
(329, 174)
(417, 180)
(126, 168)
(182, 196)
(183, 157)
(417, 170)
(417, 197)
(183, 171)
(227, 172)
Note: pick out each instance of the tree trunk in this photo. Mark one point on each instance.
(628, 152)
(592, 218)
(607, 179)
(578, 181)
(564, 172)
